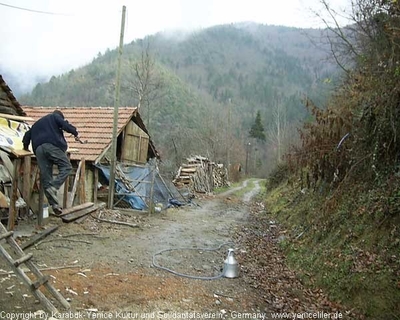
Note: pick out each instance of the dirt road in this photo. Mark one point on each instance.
(111, 266)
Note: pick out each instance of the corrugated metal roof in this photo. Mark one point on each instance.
(94, 124)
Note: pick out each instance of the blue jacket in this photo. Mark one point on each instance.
(49, 129)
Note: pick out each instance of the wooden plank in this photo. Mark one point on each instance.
(40, 205)
(135, 144)
(76, 215)
(66, 187)
(65, 195)
(75, 186)
(139, 149)
(5, 235)
(81, 219)
(151, 200)
(23, 259)
(38, 237)
(189, 170)
(144, 149)
(35, 285)
(82, 185)
(26, 186)
(21, 153)
(76, 208)
(12, 213)
(13, 117)
(96, 182)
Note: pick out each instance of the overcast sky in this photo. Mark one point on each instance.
(70, 33)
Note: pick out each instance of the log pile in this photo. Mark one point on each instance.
(201, 175)
(220, 175)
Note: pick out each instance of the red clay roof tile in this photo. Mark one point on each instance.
(94, 124)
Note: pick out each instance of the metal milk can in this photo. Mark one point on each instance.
(231, 267)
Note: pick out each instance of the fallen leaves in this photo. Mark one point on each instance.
(264, 265)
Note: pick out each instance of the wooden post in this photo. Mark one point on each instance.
(66, 187)
(26, 188)
(111, 189)
(40, 205)
(96, 182)
(151, 202)
(82, 186)
(139, 153)
(12, 213)
(70, 201)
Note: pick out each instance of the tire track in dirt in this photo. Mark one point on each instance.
(121, 275)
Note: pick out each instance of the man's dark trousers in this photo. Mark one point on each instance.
(47, 155)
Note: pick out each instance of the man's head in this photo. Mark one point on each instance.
(59, 113)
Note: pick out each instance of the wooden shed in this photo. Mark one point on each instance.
(11, 131)
(95, 127)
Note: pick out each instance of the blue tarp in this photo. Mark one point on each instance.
(140, 178)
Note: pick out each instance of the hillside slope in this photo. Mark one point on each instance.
(210, 76)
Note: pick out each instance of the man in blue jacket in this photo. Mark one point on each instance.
(50, 146)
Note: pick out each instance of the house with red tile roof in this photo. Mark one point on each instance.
(95, 128)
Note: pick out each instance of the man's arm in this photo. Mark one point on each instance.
(65, 125)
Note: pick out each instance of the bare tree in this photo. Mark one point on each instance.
(146, 82)
(351, 43)
(277, 131)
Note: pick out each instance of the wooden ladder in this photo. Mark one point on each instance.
(42, 280)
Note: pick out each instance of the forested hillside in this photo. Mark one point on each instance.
(208, 87)
(338, 194)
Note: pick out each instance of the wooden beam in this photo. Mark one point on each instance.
(12, 213)
(20, 153)
(13, 117)
(76, 208)
(66, 187)
(151, 201)
(26, 187)
(76, 215)
(38, 237)
(82, 185)
(96, 182)
(40, 205)
(38, 283)
(75, 186)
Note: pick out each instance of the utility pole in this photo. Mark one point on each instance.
(246, 171)
(115, 120)
(228, 160)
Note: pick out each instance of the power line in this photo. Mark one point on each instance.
(31, 10)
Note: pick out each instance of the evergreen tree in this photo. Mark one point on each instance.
(257, 129)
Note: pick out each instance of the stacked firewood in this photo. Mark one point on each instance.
(220, 175)
(201, 175)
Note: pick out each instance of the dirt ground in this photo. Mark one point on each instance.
(112, 271)
(110, 267)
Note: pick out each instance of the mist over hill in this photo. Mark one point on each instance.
(214, 82)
